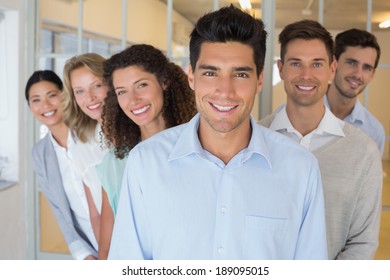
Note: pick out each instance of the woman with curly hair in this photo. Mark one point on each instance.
(83, 99)
(147, 94)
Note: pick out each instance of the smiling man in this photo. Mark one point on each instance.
(221, 186)
(357, 53)
(349, 160)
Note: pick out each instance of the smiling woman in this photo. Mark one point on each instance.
(52, 165)
(84, 94)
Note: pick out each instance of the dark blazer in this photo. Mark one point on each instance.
(45, 164)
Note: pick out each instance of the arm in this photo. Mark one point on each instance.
(362, 240)
(93, 212)
(312, 242)
(54, 192)
(106, 226)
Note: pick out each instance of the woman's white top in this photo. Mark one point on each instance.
(85, 157)
(74, 189)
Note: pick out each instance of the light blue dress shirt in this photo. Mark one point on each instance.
(180, 202)
(363, 119)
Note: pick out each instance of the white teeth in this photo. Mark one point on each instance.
(305, 87)
(353, 83)
(223, 108)
(49, 114)
(140, 111)
(94, 106)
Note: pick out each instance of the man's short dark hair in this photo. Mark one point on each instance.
(356, 38)
(229, 24)
(306, 30)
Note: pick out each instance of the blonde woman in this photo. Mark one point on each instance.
(83, 100)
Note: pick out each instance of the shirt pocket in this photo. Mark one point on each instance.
(266, 238)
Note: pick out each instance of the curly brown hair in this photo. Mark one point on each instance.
(179, 106)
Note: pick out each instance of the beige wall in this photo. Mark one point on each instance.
(146, 20)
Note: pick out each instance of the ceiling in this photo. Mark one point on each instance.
(338, 14)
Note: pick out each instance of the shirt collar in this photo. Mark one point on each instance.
(329, 123)
(69, 141)
(188, 142)
(281, 121)
(357, 114)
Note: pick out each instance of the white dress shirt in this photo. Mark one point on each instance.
(85, 157)
(329, 128)
(74, 191)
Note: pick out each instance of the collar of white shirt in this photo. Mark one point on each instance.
(329, 124)
(69, 141)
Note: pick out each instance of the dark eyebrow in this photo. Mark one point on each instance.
(298, 59)
(52, 91)
(358, 62)
(208, 67)
(368, 65)
(135, 82)
(351, 59)
(139, 80)
(47, 93)
(238, 68)
(243, 68)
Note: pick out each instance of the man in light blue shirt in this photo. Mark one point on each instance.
(357, 53)
(221, 186)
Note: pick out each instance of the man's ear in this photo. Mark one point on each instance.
(280, 67)
(191, 78)
(260, 81)
(333, 67)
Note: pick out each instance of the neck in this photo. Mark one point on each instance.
(60, 133)
(225, 145)
(340, 105)
(305, 119)
(152, 128)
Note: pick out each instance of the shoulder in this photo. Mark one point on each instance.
(42, 146)
(356, 139)
(371, 120)
(282, 148)
(161, 142)
(267, 120)
(356, 135)
(166, 137)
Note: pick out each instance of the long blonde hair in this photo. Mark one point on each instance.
(77, 121)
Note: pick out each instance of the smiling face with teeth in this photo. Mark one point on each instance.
(225, 84)
(355, 70)
(306, 72)
(45, 103)
(140, 96)
(89, 91)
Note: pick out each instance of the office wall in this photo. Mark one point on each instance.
(13, 237)
(146, 20)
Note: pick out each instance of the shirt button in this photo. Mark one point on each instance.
(220, 250)
(223, 209)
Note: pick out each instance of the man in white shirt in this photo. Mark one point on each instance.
(357, 53)
(349, 160)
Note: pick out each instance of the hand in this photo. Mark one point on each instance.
(90, 257)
